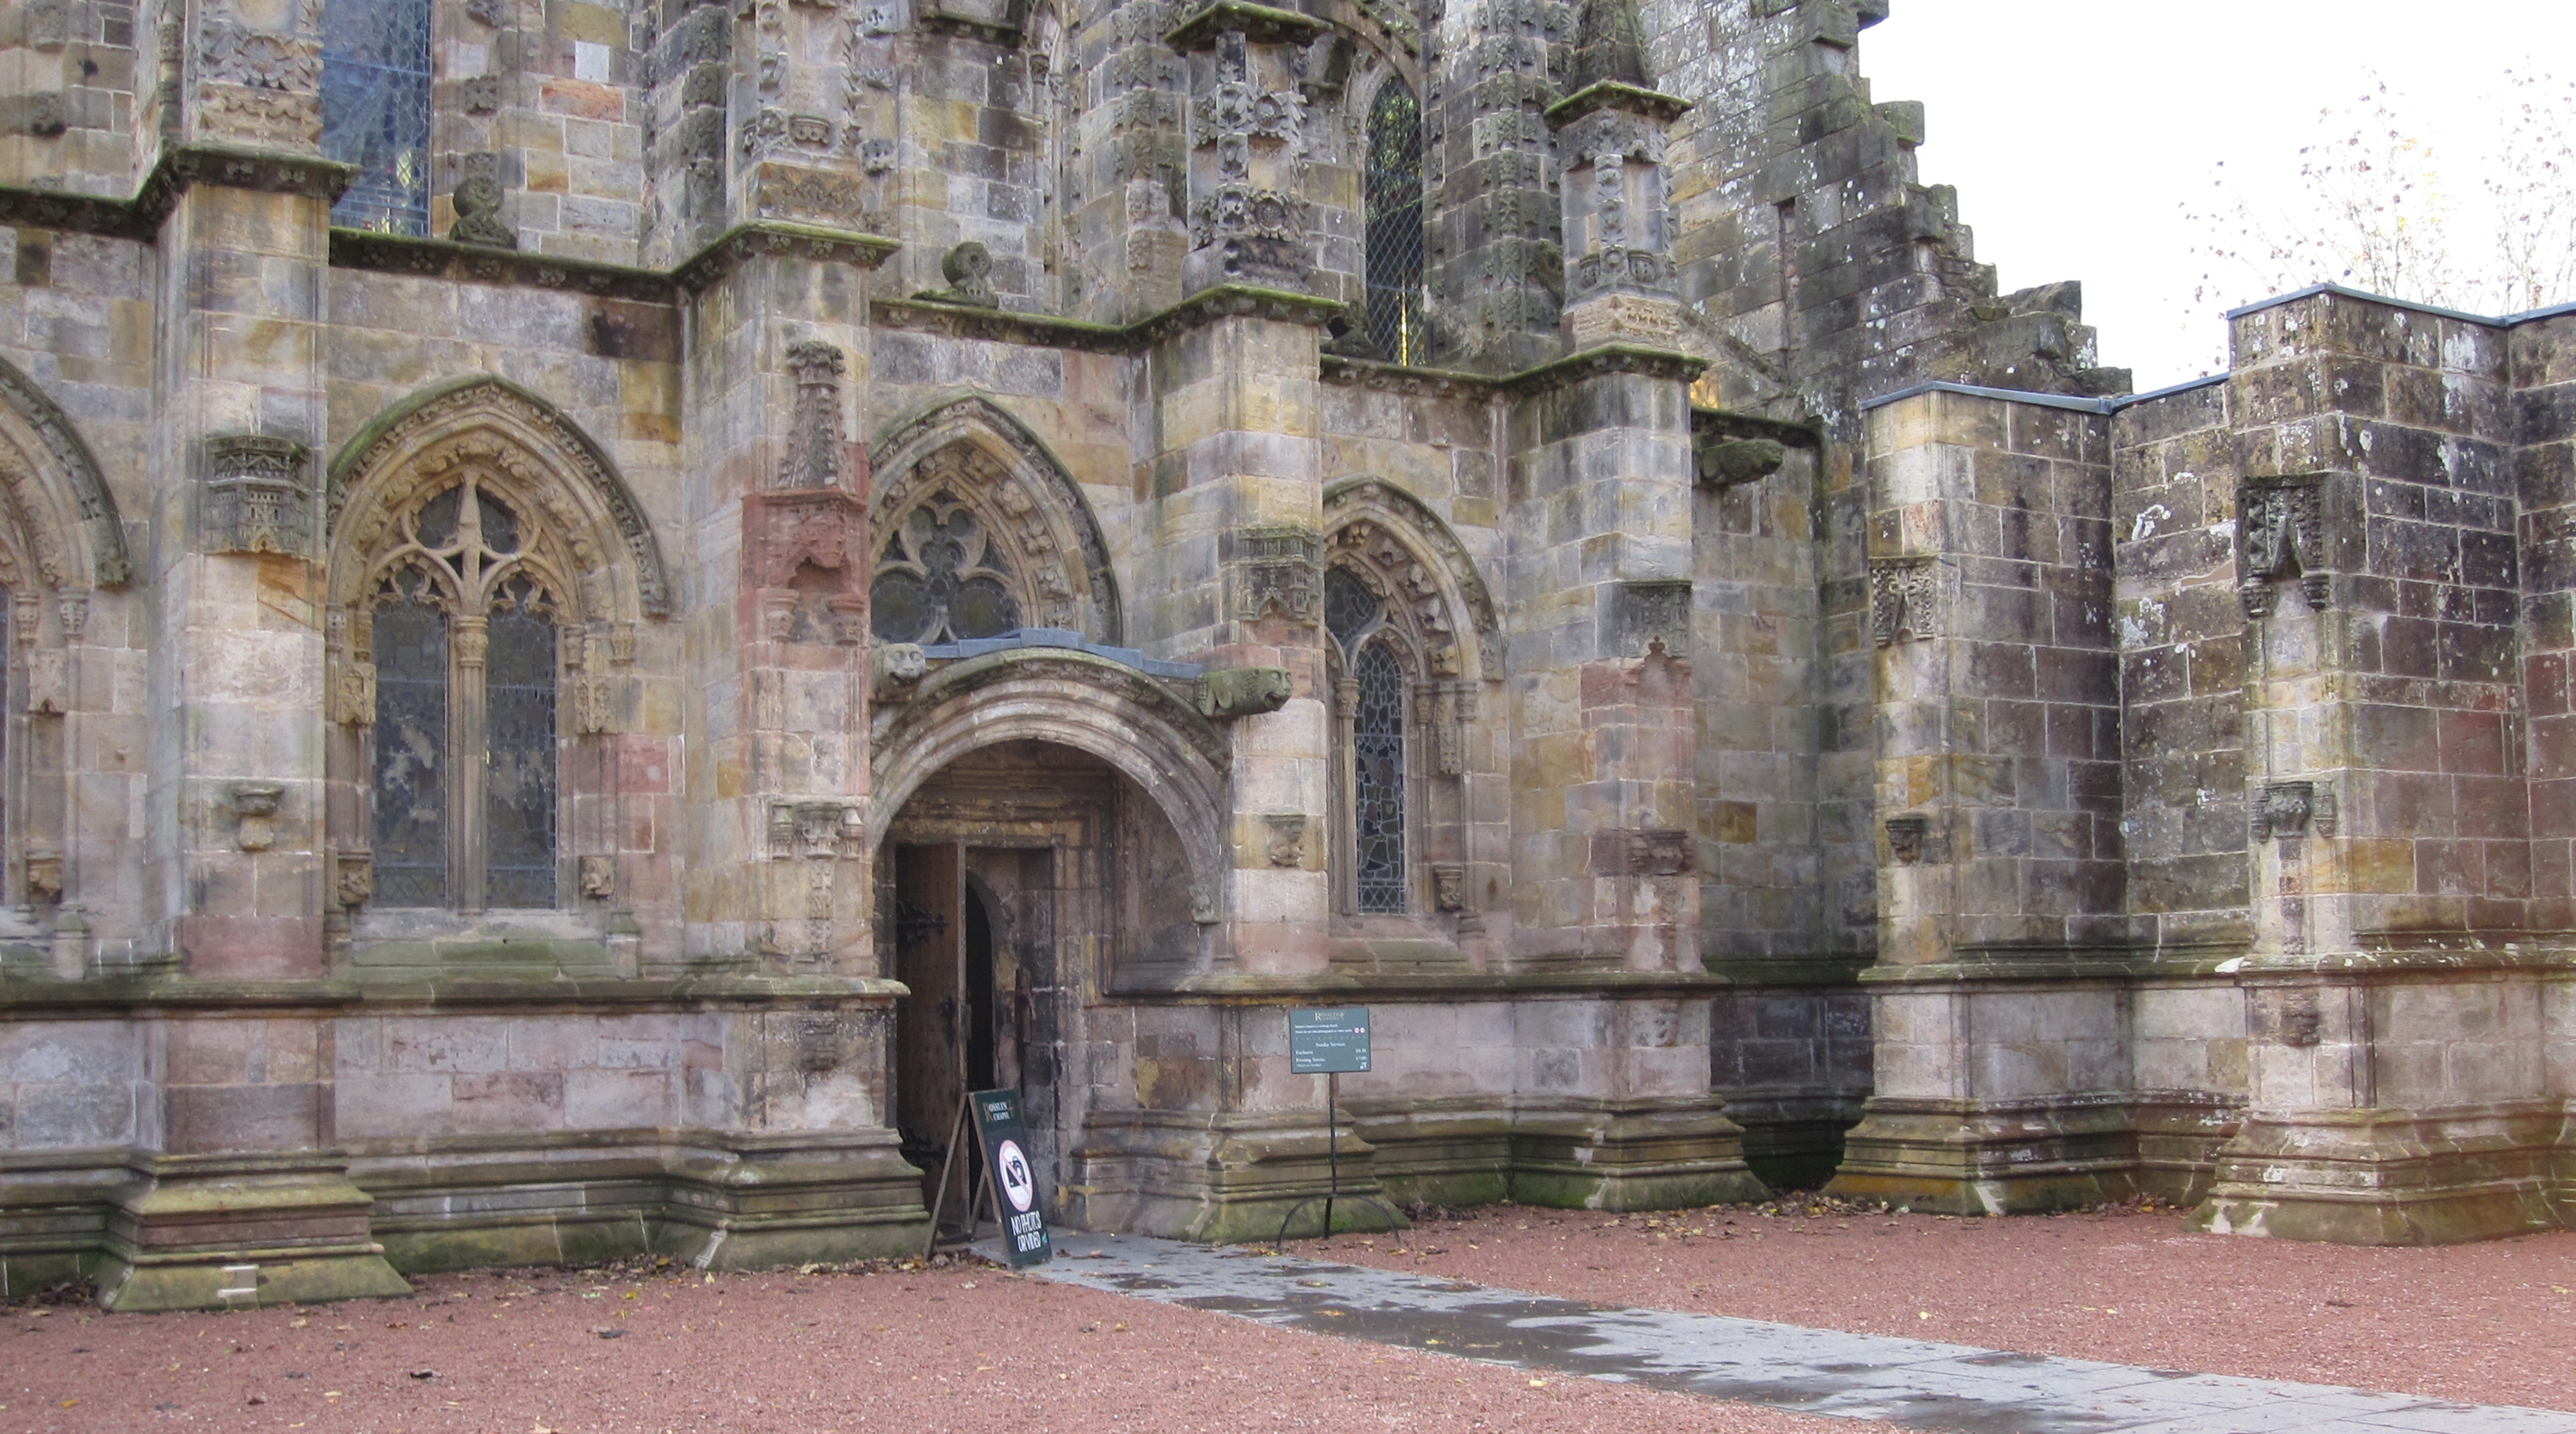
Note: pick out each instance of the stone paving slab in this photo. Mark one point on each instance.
(1920, 1383)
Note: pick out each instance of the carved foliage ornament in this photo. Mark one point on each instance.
(1904, 599)
(1408, 587)
(95, 510)
(2280, 535)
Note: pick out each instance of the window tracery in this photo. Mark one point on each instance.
(463, 628)
(943, 578)
(978, 531)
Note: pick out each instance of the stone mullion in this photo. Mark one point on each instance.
(469, 758)
(1346, 789)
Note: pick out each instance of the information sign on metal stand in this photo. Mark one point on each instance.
(1327, 1041)
(1015, 1182)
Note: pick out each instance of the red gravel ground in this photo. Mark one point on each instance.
(2491, 1323)
(955, 1349)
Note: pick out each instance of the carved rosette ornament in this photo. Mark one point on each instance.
(258, 496)
(2280, 535)
(1904, 599)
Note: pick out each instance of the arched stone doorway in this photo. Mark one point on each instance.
(1019, 880)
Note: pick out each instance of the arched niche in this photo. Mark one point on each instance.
(1071, 699)
(966, 494)
(1413, 560)
(61, 540)
(58, 522)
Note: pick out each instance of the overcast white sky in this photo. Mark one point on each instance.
(2073, 128)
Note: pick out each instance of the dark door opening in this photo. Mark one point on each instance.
(929, 958)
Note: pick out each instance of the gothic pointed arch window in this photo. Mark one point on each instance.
(464, 619)
(980, 532)
(1392, 193)
(375, 111)
(1369, 713)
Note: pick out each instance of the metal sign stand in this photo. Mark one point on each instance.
(1327, 1041)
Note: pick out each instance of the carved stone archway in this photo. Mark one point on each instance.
(970, 506)
(1091, 704)
(1409, 557)
(61, 540)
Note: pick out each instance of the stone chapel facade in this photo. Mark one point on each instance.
(611, 602)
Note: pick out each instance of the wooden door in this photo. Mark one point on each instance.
(930, 957)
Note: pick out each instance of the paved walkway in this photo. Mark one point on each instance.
(1812, 1371)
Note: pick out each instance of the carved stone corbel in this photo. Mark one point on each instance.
(49, 684)
(256, 803)
(1449, 885)
(895, 669)
(45, 874)
(353, 877)
(353, 693)
(258, 497)
(2285, 811)
(598, 877)
(1234, 692)
(1287, 837)
(1907, 836)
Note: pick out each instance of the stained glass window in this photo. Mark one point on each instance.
(375, 111)
(460, 553)
(1397, 300)
(411, 746)
(519, 784)
(1350, 609)
(1377, 740)
(940, 580)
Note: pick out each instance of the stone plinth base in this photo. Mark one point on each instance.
(1440, 1152)
(2389, 1177)
(1958, 1157)
(238, 1232)
(756, 1201)
(1220, 1178)
(1641, 1154)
